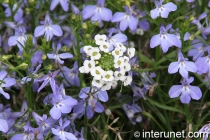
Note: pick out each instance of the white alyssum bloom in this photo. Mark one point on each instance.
(117, 52)
(126, 59)
(104, 47)
(95, 53)
(88, 65)
(125, 67)
(106, 86)
(131, 52)
(100, 39)
(98, 83)
(108, 75)
(119, 75)
(87, 49)
(127, 80)
(114, 84)
(119, 62)
(97, 72)
(121, 46)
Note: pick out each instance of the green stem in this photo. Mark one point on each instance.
(85, 127)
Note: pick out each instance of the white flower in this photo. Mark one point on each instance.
(117, 52)
(106, 86)
(121, 46)
(97, 72)
(114, 84)
(87, 49)
(94, 53)
(108, 75)
(83, 70)
(88, 65)
(125, 67)
(119, 75)
(105, 47)
(127, 80)
(100, 39)
(97, 83)
(126, 59)
(131, 52)
(118, 62)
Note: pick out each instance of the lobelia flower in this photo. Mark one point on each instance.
(62, 104)
(196, 21)
(57, 56)
(45, 124)
(64, 4)
(162, 9)
(71, 75)
(205, 131)
(48, 29)
(97, 12)
(203, 64)
(198, 49)
(27, 135)
(19, 39)
(126, 19)
(19, 13)
(48, 78)
(61, 133)
(186, 90)
(37, 58)
(183, 65)
(5, 82)
(91, 96)
(165, 40)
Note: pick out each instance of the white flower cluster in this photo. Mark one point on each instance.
(107, 67)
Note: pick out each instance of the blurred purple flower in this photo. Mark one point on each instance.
(205, 131)
(19, 39)
(198, 49)
(164, 39)
(19, 13)
(196, 21)
(57, 56)
(48, 29)
(97, 12)
(37, 58)
(5, 82)
(71, 75)
(64, 4)
(126, 19)
(186, 90)
(162, 9)
(203, 64)
(3, 125)
(48, 78)
(183, 65)
(61, 133)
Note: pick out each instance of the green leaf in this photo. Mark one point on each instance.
(164, 106)
(145, 59)
(120, 104)
(95, 121)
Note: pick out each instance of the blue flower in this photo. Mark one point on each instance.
(165, 40)
(48, 29)
(186, 90)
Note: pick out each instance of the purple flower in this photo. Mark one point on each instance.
(45, 124)
(3, 125)
(5, 82)
(27, 135)
(64, 4)
(198, 49)
(196, 21)
(205, 131)
(61, 104)
(57, 56)
(48, 78)
(183, 65)
(71, 75)
(61, 133)
(48, 29)
(126, 19)
(186, 36)
(164, 39)
(162, 9)
(19, 39)
(203, 64)
(97, 12)
(37, 58)
(91, 95)
(186, 90)
(19, 13)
